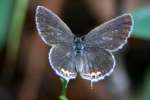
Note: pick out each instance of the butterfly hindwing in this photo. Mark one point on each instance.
(97, 64)
(62, 61)
(111, 35)
(51, 28)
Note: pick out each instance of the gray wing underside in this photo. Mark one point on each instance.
(63, 62)
(51, 28)
(111, 35)
(97, 64)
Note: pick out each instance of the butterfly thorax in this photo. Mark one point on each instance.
(78, 45)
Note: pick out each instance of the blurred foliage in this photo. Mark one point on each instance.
(6, 11)
(16, 25)
(11, 33)
(12, 20)
(144, 93)
(141, 18)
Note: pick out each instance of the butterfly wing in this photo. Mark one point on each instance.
(98, 63)
(111, 35)
(62, 61)
(51, 28)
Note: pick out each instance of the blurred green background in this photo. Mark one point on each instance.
(25, 73)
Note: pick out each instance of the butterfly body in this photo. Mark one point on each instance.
(78, 45)
(90, 55)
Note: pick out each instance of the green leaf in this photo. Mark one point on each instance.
(15, 29)
(5, 9)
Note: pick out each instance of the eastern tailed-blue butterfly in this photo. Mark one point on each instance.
(89, 55)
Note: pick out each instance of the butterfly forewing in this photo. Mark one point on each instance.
(51, 28)
(62, 61)
(111, 35)
(98, 63)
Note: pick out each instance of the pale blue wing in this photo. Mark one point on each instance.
(62, 61)
(51, 28)
(97, 63)
(111, 35)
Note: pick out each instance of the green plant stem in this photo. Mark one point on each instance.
(63, 95)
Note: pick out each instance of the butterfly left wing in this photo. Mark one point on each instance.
(51, 28)
(97, 63)
(62, 61)
(111, 35)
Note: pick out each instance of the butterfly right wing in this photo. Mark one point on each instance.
(111, 35)
(51, 28)
(62, 61)
(97, 63)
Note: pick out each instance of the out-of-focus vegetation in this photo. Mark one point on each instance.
(13, 21)
(144, 93)
(15, 26)
(6, 13)
(142, 23)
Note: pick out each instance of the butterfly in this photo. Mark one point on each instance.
(89, 55)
